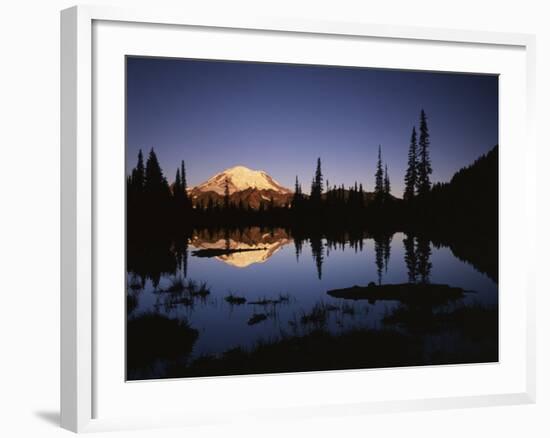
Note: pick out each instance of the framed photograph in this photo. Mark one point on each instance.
(291, 218)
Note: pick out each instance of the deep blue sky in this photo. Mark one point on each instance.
(280, 118)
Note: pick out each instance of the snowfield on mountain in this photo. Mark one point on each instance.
(240, 178)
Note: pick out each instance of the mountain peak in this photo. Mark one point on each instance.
(241, 178)
(238, 168)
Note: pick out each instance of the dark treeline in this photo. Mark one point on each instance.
(471, 195)
(462, 213)
(153, 203)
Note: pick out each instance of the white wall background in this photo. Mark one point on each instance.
(29, 230)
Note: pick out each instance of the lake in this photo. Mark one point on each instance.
(241, 289)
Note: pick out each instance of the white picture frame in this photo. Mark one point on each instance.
(80, 167)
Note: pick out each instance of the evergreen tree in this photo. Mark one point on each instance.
(411, 176)
(297, 197)
(410, 258)
(298, 247)
(319, 177)
(317, 251)
(379, 257)
(177, 188)
(184, 196)
(317, 185)
(423, 253)
(138, 174)
(424, 163)
(387, 186)
(156, 202)
(179, 191)
(379, 177)
(387, 251)
(155, 184)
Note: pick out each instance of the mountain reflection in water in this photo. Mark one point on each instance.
(242, 247)
(350, 300)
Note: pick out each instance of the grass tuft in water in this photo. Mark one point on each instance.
(257, 318)
(234, 299)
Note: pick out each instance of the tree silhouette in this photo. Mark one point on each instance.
(387, 186)
(298, 247)
(424, 253)
(417, 258)
(387, 250)
(156, 189)
(319, 177)
(379, 257)
(379, 177)
(424, 163)
(317, 185)
(410, 258)
(154, 178)
(176, 190)
(297, 197)
(318, 253)
(184, 196)
(411, 176)
(135, 186)
(179, 190)
(181, 252)
(138, 174)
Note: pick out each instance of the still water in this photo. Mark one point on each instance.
(284, 280)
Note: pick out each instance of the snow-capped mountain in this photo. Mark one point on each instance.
(248, 188)
(240, 178)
